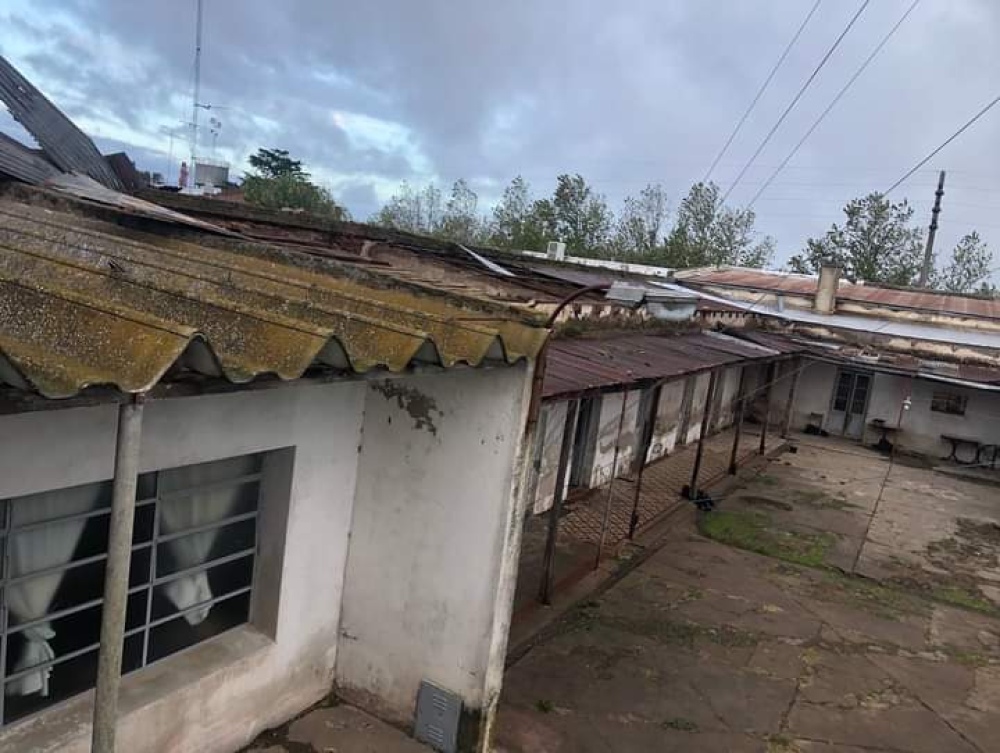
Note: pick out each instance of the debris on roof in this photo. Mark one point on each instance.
(65, 145)
(84, 304)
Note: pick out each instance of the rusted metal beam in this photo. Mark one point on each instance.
(786, 422)
(645, 440)
(549, 559)
(772, 369)
(741, 401)
(611, 483)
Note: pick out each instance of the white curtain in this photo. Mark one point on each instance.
(39, 549)
(191, 510)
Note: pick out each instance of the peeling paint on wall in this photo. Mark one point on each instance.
(422, 408)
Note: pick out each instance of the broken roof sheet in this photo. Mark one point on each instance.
(85, 303)
(582, 365)
(64, 144)
(805, 285)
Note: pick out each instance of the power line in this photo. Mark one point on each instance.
(797, 97)
(761, 90)
(947, 141)
(834, 102)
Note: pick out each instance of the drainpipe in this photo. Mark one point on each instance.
(772, 369)
(741, 401)
(549, 560)
(705, 421)
(109, 668)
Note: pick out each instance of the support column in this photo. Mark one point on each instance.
(643, 451)
(790, 405)
(705, 421)
(741, 401)
(611, 483)
(109, 666)
(772, 369)
(549, 561)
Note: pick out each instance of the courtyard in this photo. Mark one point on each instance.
(834, 602)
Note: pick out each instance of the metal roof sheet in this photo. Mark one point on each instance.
(574, 366)
(805, 285)
(84, 304)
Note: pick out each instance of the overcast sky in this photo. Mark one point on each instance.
(372, 93)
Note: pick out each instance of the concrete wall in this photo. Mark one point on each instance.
(814, 392)
(553, 419)
(728, 387)
(611, 415)
(666, 430)
(698, 406)
(434, 498)
(216, 696)
(922, 427)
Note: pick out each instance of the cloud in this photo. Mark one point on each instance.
(370, 94)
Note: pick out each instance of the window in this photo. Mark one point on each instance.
(949, 402)
(191, 575)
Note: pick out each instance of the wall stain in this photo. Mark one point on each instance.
(421, 407)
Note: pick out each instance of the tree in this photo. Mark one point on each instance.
(275, 163)
(415, 210)
(640, 224)
(280, 182)
(461, 222)
(514, 224)
(875, 244)
(968, 268)
(709, 233)
(575, 215)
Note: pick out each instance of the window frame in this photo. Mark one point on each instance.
(942, 399)
(150, 581)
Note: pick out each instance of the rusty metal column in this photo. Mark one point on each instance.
(646, 440)
(741, 401)
(611, 483)
(109, 667)
(786, 423)
(772, 369)
(549, 560)
(705, 420)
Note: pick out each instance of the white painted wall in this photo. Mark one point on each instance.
(922, 427)
(604, 452)
(814, 392)
(218, 695)
(554, 419)
(728, 387)
(698, 407)
(668, 418)
(434, 497)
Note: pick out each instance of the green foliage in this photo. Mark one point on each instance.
(875, 243)
(968, 268)
(708, 233)
(275, 163)
(424, 211)
(514, 224)
(279, 182)
(753, 531)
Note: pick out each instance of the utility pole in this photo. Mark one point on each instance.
(197, 92)
(925, 271)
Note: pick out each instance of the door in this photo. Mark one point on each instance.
(850, 403)
(588, 423)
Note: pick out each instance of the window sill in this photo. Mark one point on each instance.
(63, 725)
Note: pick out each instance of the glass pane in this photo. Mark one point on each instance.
(195, 476)
(66, 679)
(198, 548)
(188, 591)
(177, 634)
(843, 394)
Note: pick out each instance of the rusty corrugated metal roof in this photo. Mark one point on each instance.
(85, 303)
(791, 284)
(575, 366)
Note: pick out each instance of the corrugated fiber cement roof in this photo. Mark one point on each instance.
(85, 303)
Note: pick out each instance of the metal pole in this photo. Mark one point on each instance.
(772, 369)
(548, 563)
(109, 667)
(705, 420)
(925, 270)
(611, 482)
(741, 400)
(197, 91)
(646, 440)
(786, 423)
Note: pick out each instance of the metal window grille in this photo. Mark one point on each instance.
(191, 576)
(949, 402)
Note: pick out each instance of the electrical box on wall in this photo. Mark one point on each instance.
(438, 712)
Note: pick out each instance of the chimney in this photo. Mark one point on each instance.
(826, 290)
(556, 251)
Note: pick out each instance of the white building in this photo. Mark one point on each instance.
(320, 469)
